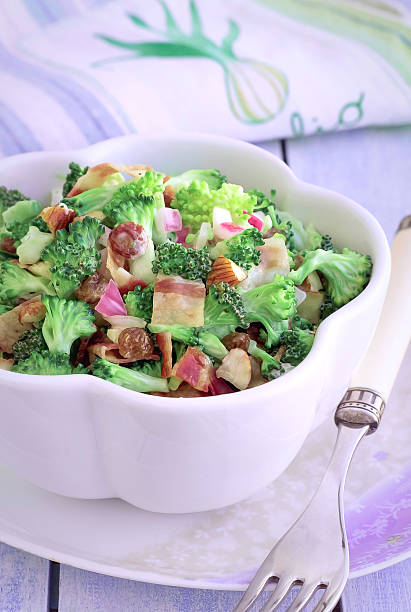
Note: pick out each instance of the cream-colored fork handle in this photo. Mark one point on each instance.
(381, 363)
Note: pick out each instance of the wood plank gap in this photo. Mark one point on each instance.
(283, 145)
(54, 586)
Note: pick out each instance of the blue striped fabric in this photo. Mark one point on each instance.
(83, 107)
(15, 136)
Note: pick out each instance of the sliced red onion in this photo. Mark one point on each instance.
(256, 222)
(124, 321)
(111, 303)
(168, 220)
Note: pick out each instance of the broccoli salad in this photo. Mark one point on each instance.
(180, 286)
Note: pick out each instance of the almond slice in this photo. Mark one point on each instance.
(225, 271)
(57, 217)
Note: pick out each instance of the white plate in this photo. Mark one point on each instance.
(222, 549)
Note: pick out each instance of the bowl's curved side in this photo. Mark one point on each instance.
(83, 437)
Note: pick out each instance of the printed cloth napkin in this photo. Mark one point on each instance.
(74, 72)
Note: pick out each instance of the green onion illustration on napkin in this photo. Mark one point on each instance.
(256, 91)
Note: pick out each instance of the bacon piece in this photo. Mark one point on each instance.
(111, 303)
(183, 391)
(97, 175)
(128, 240)
(108, 351)
(218, 386)
(57, 217)
(176, 284)
(7, 244)
(195, 368)
(82, 356)
(11, 328)
(32, 311)
(166, 347)
(123, 279)
(178, 301)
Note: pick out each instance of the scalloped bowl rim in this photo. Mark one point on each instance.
(218, 402)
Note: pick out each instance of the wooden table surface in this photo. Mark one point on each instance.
(373, 167)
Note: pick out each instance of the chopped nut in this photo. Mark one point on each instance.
(225, 271)
(32, 311)
(96, 214)
(236, 368)
(6, 364)
(168, 195)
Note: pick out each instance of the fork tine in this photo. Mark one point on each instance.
(279, 594)
(330, 597)
(254, 589)
(303, 597)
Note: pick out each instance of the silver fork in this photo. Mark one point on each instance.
(313, 553)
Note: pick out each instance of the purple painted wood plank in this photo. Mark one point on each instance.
(386, 591)
(80, 590)
(23, 581)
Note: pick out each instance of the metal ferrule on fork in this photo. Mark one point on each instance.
(360, 406)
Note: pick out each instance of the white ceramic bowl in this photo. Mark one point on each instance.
(84, 437)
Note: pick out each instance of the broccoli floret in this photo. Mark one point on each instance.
(48, 364)
(8, 197)
(150, 183)
(327, 243)
(139, 302)
(126, 377)
(241, 249)
(211, 176)
(268, 362)
(174, 258)
(73, 255)
(31, 341)
(22, 211)
(30, 249)
(113, 192)
(301, 323)
(65, 321)
(136, 208)
(263, 201)
(205, 340)
(210, 343)
(5, 308)
(346, 273)
(151, 367)
(19, 229)
(75, 171)
(223, 310)
(197, 202)
(270, 303)
(15, 282)
(180, 333)
(275, 333)
(298, 343)
(327, 307)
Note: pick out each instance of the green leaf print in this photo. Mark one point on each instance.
(256, 91)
